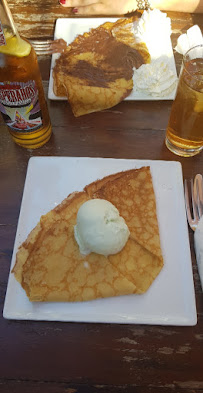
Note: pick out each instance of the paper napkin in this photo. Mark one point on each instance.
(191, 38)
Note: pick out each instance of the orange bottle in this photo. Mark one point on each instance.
(22, 102)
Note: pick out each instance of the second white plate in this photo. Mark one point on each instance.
(69, 28)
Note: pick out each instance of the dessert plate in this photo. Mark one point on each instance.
(169, 301)
(69, 28)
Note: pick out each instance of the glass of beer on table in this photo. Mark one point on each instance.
(184, 135)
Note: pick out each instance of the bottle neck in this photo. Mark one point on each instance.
(7, 25)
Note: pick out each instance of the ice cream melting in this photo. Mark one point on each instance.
(100, 228)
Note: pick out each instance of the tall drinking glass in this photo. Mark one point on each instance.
(184, 135)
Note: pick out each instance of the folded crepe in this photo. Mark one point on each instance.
(95, 71)
(49, 265)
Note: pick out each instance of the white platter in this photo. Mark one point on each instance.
(69, 28)
(169, 301)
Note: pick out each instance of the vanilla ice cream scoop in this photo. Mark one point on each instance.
(100, 228)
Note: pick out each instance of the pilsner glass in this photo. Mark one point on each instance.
(184, 135)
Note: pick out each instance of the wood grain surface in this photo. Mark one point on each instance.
(79, 357)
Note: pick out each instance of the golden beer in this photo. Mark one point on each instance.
(22, 101)
(184, 135)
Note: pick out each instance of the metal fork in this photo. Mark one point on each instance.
(47, 46)
(194, 200)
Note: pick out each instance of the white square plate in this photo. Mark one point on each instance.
(69, 28)
(169, 301)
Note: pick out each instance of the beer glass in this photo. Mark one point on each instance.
(184, 135)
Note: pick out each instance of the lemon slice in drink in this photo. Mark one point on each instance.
(16, 46)
(198, 108)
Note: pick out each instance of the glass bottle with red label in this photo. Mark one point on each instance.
(22, 102)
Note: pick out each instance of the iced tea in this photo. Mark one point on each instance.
(184, 134)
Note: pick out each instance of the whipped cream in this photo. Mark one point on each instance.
(153, 28)
(156, 78)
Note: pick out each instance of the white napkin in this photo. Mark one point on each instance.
(191, 38)
(198, 237)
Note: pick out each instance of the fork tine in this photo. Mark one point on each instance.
(48, 46)
(41, 47)
(194, 201)
(46, 52)
(198, 190)
(187, 203)
(41, 42)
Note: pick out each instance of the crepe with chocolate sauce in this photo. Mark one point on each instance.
(95, 71)
(49, 265)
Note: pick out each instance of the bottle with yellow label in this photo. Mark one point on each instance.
(22, 102)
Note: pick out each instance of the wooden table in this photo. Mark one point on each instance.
(79, 357)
